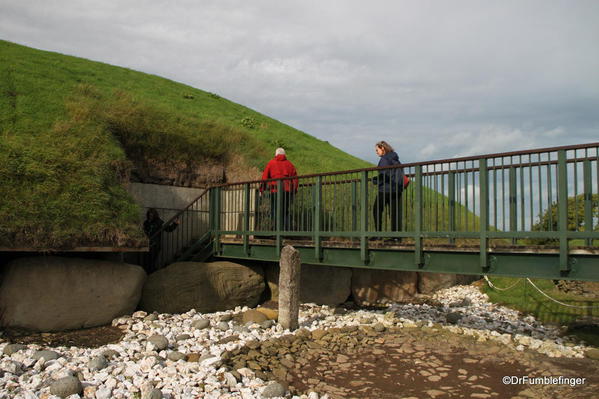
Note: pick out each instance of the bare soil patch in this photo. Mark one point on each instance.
(84, 338)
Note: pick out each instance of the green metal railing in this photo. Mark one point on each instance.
(189, 238)
(540, 202)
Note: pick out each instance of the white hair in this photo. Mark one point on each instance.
(280, 151)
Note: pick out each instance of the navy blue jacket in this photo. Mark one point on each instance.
(389, 180)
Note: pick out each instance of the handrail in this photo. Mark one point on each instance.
(423, 163)
(169, 247)
(178, 214)
(435, 173)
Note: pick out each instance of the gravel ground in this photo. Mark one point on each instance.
(456, 345)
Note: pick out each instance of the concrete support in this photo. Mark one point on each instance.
(289, 288)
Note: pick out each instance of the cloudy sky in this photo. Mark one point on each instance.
(436, 79)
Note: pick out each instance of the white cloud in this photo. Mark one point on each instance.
(429, 150)
(436, 79)
(492, 139)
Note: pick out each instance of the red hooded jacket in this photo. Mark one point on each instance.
(277, 168)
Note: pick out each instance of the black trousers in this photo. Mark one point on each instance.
(151, 264)
(391, 200)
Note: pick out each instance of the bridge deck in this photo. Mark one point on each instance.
(462, 258)
(469, 246)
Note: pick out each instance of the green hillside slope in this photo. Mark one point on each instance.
(72, 130)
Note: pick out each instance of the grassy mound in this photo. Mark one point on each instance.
(71, 131)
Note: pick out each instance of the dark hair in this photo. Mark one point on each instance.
(152, 212)
(385, 146)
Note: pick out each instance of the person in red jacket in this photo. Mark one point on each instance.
(277, 168)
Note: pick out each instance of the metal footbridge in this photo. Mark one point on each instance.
(522, 214)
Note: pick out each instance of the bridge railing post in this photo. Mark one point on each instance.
(317, 216)
(354, 206)
(452, 201)
(418, 219)
(279, 216)
(562, 218)
(364, 216)
(246, 219)
(484, 213)
(215, 208)
(588, 199)
(513, 191)
(522, 195)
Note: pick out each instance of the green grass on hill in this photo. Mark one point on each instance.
(528, 300)
(71, 130)
(36, 85)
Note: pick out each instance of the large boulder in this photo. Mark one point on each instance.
(51, 293)
(323, 285)
(429, 283)
(271, 275)
(205, 287)
(375, 286)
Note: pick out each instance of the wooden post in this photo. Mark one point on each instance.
(289, 288)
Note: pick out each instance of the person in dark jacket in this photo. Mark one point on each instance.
(152, 226)
(390, 187)
(277, 168)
